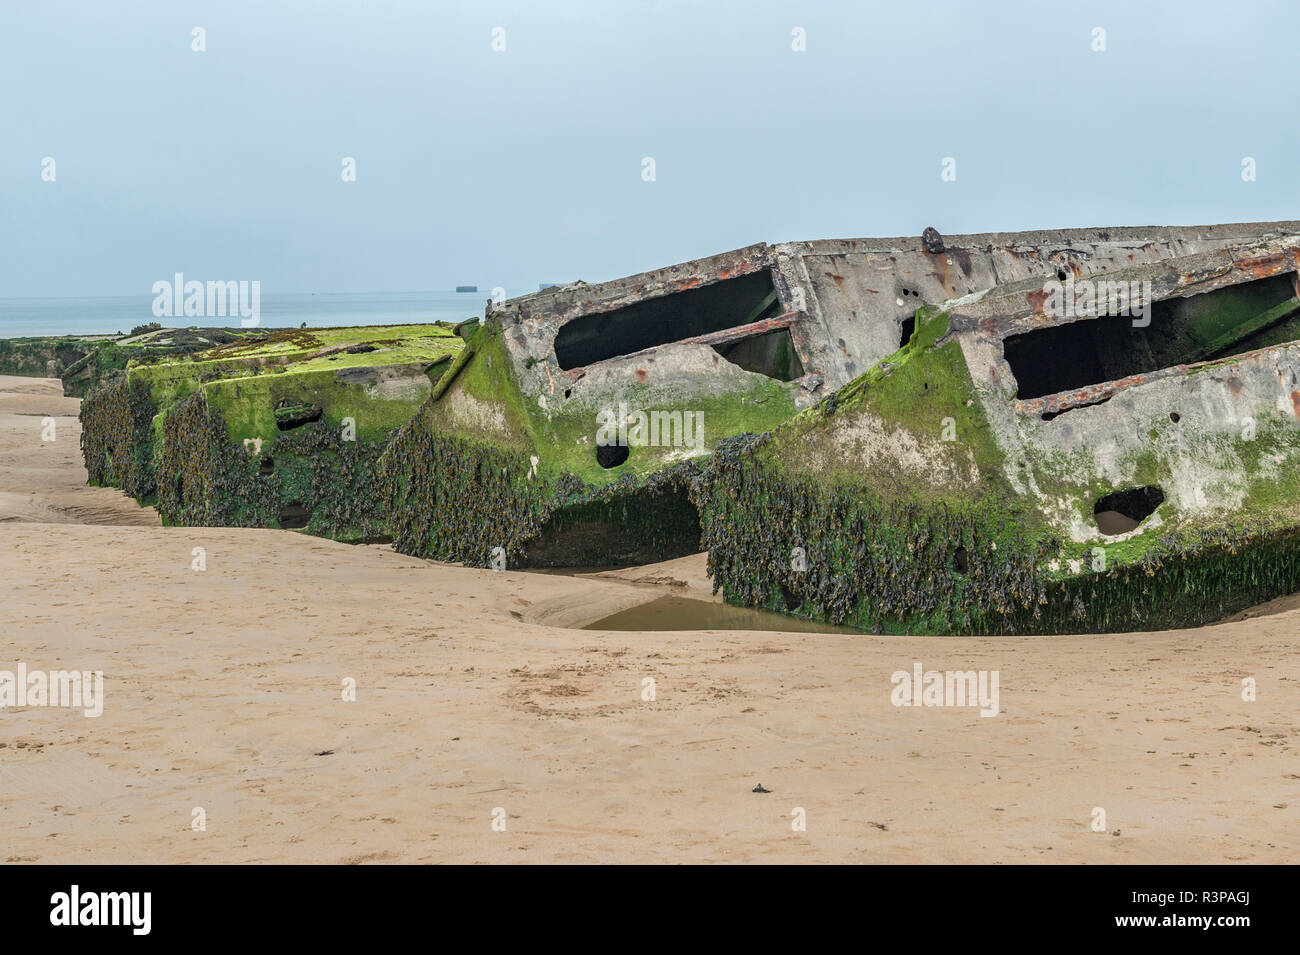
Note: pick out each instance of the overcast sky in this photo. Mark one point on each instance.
(526, 165)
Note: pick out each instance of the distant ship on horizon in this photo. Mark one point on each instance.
(466, 288)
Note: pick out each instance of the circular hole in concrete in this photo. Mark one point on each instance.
(611, 455)
(294, 516)
(1175, 417)
(1122, 511)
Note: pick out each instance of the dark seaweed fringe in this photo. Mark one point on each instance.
(455, 499)
(117, 437)
(895, 566)
(206, 480)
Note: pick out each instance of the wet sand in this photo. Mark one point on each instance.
(474, 694)
(44, 481)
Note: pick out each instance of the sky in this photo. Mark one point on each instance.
(517, 166)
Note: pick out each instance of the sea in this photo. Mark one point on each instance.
(20, 317)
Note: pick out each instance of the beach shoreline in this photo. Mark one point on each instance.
(224, 691)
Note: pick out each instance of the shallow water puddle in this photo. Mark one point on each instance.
(1112, 523)
(683, 613)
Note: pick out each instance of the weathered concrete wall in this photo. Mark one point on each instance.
(845, 301)
(1216, 430)
(861, 290)
(930, 495)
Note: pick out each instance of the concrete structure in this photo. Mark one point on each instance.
(844, 304)
(1076, 450)
(273, 429)
(740, 342)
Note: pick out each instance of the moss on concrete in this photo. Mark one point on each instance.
(937, 534)
(363, 383)
(206, 479)
(481, 467)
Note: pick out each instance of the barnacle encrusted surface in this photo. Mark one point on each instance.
(908, 511)
(279, 430)
(481, 468)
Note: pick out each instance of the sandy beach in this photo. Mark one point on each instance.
(477, 701)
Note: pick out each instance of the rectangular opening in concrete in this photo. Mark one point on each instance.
(1228, 321)
(770, 353)
(666, 319)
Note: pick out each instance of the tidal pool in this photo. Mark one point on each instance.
(684, 613)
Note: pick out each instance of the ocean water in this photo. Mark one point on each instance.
(107, 315)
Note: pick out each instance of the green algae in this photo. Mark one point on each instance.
(194, 433)
(794, 523)
(481, 467)
(205, 480)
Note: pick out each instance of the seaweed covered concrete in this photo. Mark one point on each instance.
(739, 342)
(1018, 467)
(87, 362)
(1035, 432)
(484, 476)
(281, 429)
